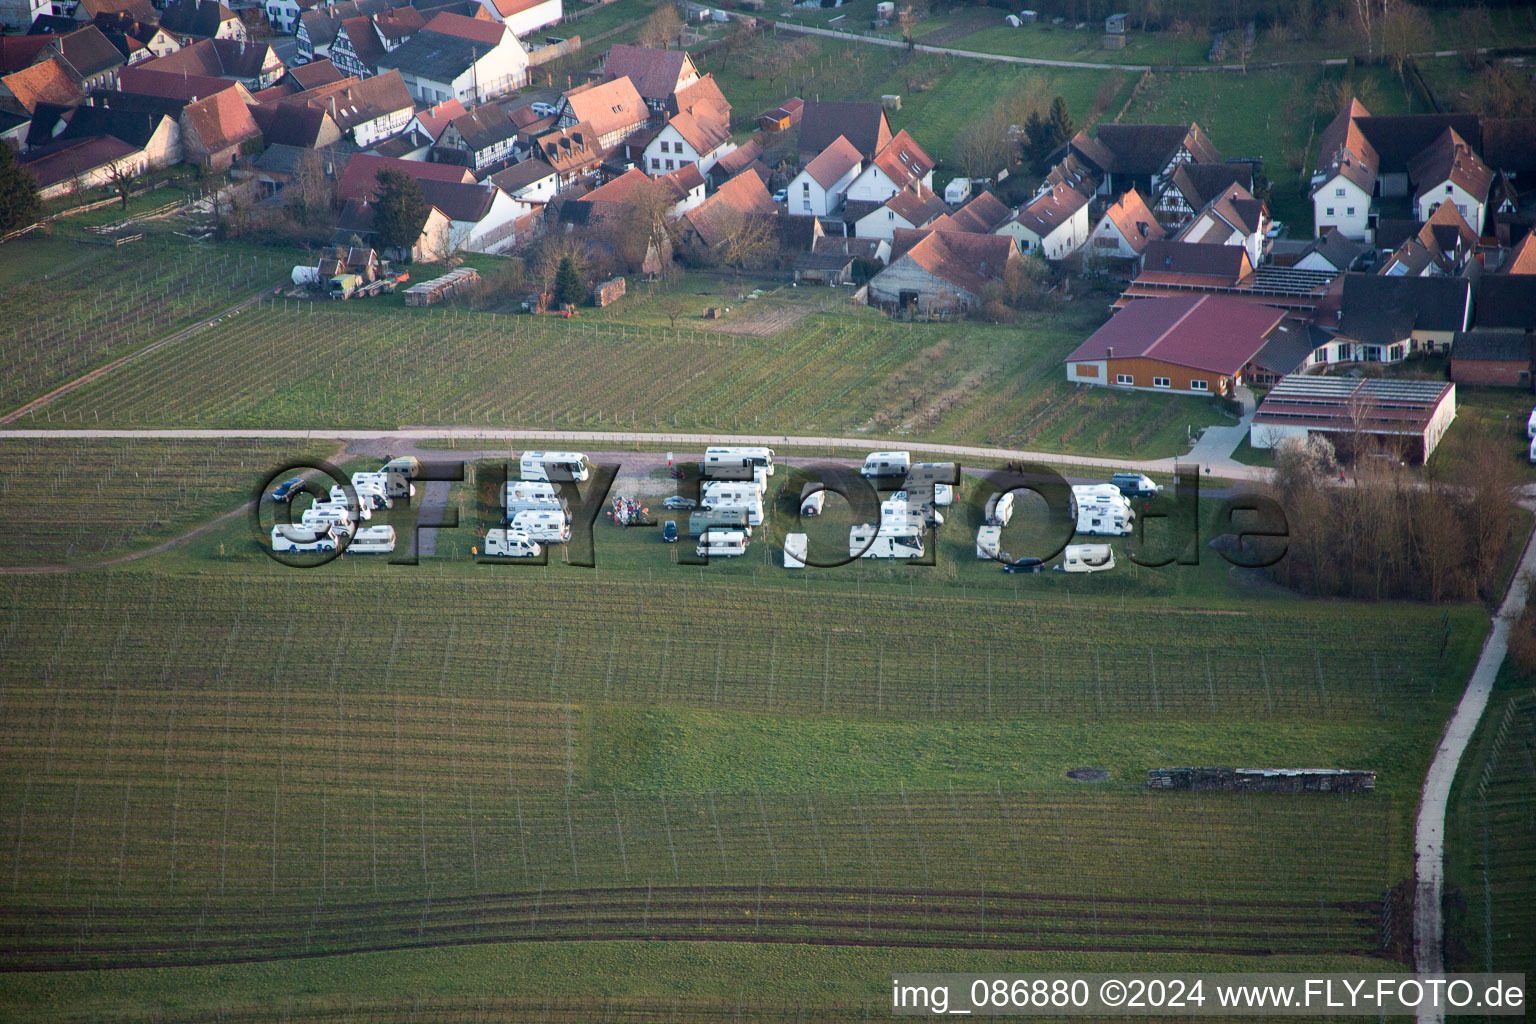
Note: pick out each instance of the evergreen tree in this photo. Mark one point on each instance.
(19, 205)
(399, 211)
(1060, 124)
(1037, 139)
(568, 289)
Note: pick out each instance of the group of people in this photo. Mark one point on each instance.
(628, 510)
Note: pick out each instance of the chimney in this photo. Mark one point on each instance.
(1109, 353)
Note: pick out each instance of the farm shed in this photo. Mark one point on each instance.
(1496, 358)
(1412, 413)
(439, 288)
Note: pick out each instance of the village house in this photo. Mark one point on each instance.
(254, 65)
(189, 20)
(984, 214)
(657, 75)
(360, 179)
(908, 209)
(148, 125)
(687, 187)
(941, 273)
(1142, 157)
(432, 241)
(43, 82)
(363, 40)
(1344, 184)
(524, 17)
(185, 88)
(822, 184)
(16, 15)
(1053, 225)
(1448, 172)
(318, 26)
(863, 125)
(687, 140)
(216, 129)
(711, 222)
(1330, 252)
(138, 10)
(481, 217)
(573, 152)
(531, 183)
(484, 136)
(1385, 319)
(71, 165)
(898, 165)
(748, 156)
(1234, 217)
(447, 60)
(1445, 244)
(1125, 230)
(1192, 186)
(612, 109)
(1194, 344)
(137, 41)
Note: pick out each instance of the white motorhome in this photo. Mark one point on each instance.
(1097, 512)
(886, 464)
(895, 540)
(731, 462)
(368, 499)
(898, 507)
(1530, 425)
(519, 489)
(999, 509)
(933, 473)
(1088, 558)
(555, 466)
(545, 527)
(511, 544)
(302, 539)
(328, 515)
(722, 544)
(724, 494)
(795, 548)
(989, 542)
(376, 487)
(373, 540)
(813, 501)
(407, 466)
(734, 518)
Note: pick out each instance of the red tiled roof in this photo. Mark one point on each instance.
(220, 121)
(44, 82)
(1134, 220)
(435, 119)
(655, 73)
(742, 196)
(1523, 259)
(315, 74)
(1202, 332)
(608, 107)
(172, 86)
(508, 8)
(967, 260)
(917, 206)
(62, 161)
(832, 163)
(1450, 159)
(572, 148)
(738, 159)
(491, 33)
(983, 213)
(903, 160)
(1050, 210)
(360, 179)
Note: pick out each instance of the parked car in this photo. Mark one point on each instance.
(781, 196)
(678, 503)
(289, 489)
(669, 531)
(1024, 565)
(543, 109)
(1275, 229)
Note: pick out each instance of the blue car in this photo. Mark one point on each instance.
(289, 489)
(669, 531)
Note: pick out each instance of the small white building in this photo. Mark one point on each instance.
(1450, 172)
(1125, 230)
(684, 140)
(821, 187)
(907, 209)
(439, 66)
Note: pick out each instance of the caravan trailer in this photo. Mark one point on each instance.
(999, 509)
(1088, 558)
(511, 544)
(883, 465)
(532, 496)
(375, 487)
(722, 544)
(705, 519)
(795, 548)
(989, 542)
(813, 498)
(731, 494)
(898, 507)
(302, 539)
(545, 527)
(406, 465)
(373, 540)
(903, 539)
(733, 462)
(555, 466)
(328, 515)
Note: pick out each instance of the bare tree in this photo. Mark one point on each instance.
(662, 28)
(122, 175)
(672, 306)
(1405, 30)
(749, 240)
(309, 192)
(985, 146)
(908, 21)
